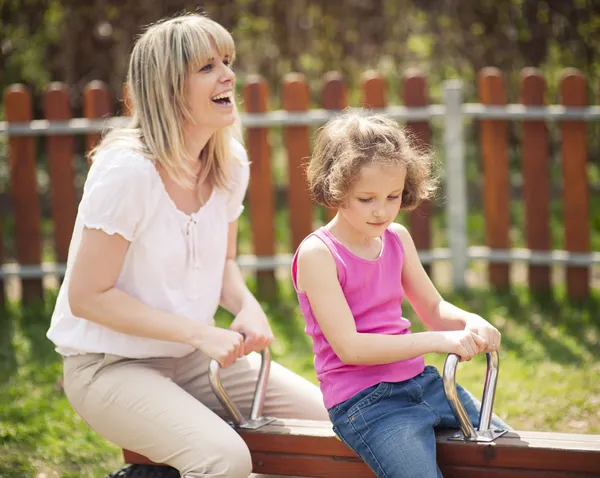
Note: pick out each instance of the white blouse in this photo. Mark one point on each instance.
(174, 262)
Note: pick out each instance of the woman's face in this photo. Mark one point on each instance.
(210, 94)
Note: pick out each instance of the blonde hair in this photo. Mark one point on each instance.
(352, 140)
(159, 65)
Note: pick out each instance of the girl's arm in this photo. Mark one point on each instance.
(94, 297)
(317, 277)
(236, 298)
(432, 309)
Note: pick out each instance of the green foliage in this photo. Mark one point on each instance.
(28, 30)
(42, 41)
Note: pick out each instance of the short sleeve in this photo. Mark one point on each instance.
(118, 193)
(240, 177)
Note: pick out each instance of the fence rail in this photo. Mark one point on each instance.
(318, 117)
(474, 253)
(493, 113)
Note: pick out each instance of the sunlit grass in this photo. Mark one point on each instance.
(549, 376)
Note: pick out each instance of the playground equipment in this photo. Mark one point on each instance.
(310, 448)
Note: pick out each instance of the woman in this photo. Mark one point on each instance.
(152, 257)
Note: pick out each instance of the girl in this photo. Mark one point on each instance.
(152, 257)
(351, 277)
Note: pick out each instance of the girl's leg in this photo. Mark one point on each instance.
(288, 394)
(136, 405)
(391, 428)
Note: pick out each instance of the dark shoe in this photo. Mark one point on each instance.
(145, 471)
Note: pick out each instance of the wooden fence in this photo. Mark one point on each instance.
(60, 148)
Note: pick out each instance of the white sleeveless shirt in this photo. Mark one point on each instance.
(174, 261)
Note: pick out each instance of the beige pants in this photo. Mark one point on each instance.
(164, 408)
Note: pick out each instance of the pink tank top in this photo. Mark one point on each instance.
(373, 290)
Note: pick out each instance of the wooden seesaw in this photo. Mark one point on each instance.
(310, 448)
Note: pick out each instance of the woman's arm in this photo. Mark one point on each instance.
(236, 298)
(317, 277)
(93, 296)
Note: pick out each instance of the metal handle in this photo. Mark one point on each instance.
(483, 432)
(214, 376)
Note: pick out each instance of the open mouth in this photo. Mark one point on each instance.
(223, 98)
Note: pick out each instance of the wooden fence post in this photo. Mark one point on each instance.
(60, 167)
(374, 90)
(415, 95)
(576, 189)
(260, 190)
(536, 178)
(496, 195)
(24, 191)
(334, 97)
(296, 97)
(96, 104)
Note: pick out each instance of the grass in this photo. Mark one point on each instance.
(549, 376)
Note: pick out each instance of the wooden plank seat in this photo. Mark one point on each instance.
(311, 448)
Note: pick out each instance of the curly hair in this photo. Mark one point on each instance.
(353, 140)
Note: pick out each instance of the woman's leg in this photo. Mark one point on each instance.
(136, 405)
(288, 395)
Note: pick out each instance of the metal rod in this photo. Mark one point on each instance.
(474, 253)
(487, 402)
(277, 118)
(449, 379)
(489, 390)
(315, 117)
(261, 384)
(456, 183)
(214, 377)
(532, 113)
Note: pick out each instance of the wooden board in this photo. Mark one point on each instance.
(310, 448)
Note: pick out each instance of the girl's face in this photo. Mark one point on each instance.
(375, 199)
(210, 94)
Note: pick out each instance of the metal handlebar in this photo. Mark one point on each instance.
(255, 421)
(468, 432)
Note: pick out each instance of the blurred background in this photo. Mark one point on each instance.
(382, 53)
(75, 42)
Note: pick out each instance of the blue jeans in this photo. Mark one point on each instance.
(391, 426)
